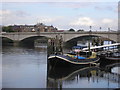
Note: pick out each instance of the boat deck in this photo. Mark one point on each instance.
(74, 60)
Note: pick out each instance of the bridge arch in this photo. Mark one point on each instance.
(32, 36)
(78, 37)
(84, 38)
(7, 37)
(31, 40)
(6, 41)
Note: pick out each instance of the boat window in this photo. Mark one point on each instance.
(87, 54)
(82, 53)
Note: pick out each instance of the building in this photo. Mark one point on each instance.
(39, 27)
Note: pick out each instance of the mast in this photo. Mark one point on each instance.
(89, 38)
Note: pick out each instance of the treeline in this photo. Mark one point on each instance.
(10, 29)
(72, 30)
(7, 29)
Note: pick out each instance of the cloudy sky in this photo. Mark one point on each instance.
(63, 15)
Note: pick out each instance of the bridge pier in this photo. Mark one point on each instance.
(16, 43)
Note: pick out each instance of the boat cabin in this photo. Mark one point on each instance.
(78, 48)
(85, 53)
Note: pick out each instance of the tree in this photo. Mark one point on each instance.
(80, 30)
(7, 29)
(71, 30)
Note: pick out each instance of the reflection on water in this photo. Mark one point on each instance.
(116, 70)
(87, 77)
(27, 68)
(69, 76)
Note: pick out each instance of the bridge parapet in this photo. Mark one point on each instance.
(66, 32)
(18, 36)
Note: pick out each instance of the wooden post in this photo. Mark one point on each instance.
(55, 45)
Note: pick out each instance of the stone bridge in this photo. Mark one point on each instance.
(19, 36)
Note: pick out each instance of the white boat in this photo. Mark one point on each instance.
(102, 46)
(115, 56)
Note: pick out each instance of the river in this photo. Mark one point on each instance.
(27, 68)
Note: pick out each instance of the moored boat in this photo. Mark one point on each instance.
(74, 58)
(114, 56)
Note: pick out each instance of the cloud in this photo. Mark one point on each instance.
(13, 17)
(107, 21)
(5, 12)
(49, 20)
(106, 7)
(9, 17)
(46, 19)
(86, 21)
(60, 0)
(61, 22)
(69, 4)
(21, 13)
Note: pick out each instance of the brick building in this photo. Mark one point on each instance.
(39, 27)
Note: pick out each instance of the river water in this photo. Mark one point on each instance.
(27, 68)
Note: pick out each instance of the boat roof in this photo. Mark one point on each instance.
(96, 47)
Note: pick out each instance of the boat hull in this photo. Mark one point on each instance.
(112, 59)
(111, 56)
(65, 61)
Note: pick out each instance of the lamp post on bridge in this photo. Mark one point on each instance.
(90, 31)
(90, 28)
(108, 35)
(100, 28)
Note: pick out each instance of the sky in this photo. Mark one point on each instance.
(62, 15)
